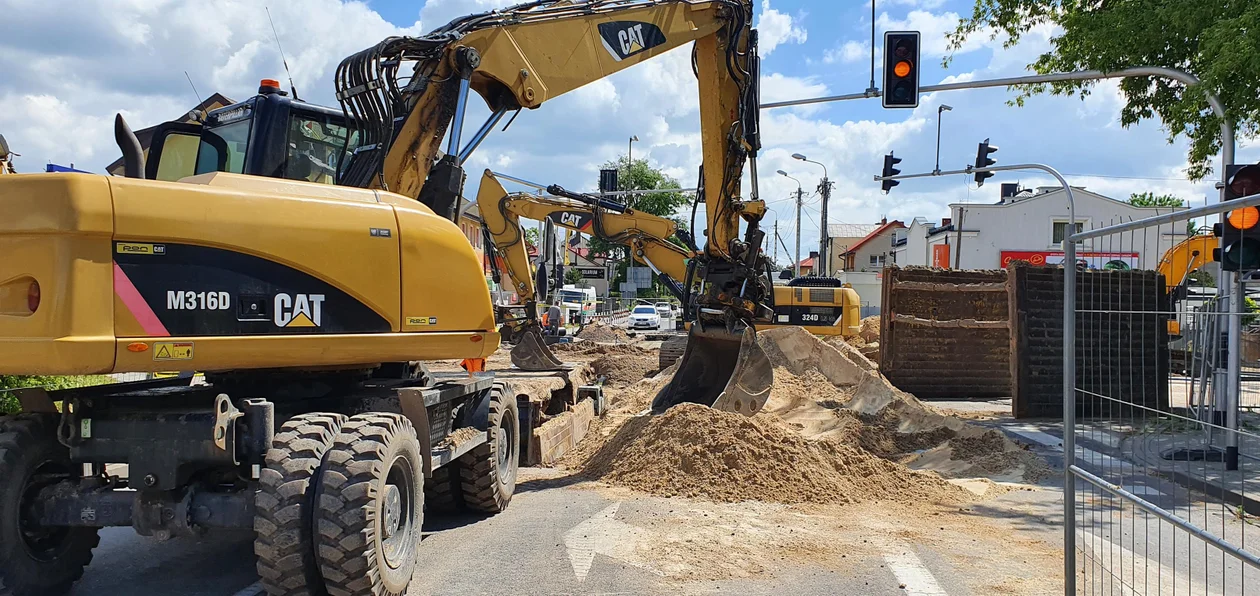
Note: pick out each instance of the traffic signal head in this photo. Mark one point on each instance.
(889, 170)
(901, 69)
(1239, 230)
(983, 161)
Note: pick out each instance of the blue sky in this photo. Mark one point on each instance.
(68, 73)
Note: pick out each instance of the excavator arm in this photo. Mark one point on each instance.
(403, 96)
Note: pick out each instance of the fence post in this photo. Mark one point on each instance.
(1069, 412)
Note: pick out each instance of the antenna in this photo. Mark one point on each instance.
(194, 87)
(283, 61)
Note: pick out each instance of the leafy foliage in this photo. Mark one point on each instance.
(573, 276)
(1150, 199)
(9, 402)
(1217, 41)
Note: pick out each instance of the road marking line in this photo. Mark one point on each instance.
(1141, 489)
(1037, 436)
(1156, 577)
(1101, 436)
(911, 572)
(1088, 456)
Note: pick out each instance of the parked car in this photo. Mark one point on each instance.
(664, 309)
(644, 317)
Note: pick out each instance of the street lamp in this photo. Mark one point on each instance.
(630, 153)
(939, 110)
(797, 267)
(824, 262)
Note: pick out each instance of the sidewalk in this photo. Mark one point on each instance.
(1236, 487)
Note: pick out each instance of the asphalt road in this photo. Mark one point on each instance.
(557, 539)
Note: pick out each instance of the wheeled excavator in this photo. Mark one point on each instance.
(820, 309)
(306, 259)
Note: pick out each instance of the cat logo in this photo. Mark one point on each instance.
(573, 220)
(298, 310)
(624, 39)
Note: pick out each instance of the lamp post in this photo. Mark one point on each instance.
(797, 267)
(630, 152)
(823, 266)
(939, 110)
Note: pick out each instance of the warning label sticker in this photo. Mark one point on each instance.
(167, 350)
(421, 321)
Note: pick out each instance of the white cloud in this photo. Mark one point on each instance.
(437, 13)
(775, 28)
(933, 28)
(851, 51)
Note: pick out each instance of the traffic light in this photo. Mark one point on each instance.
(983, 161)
(1240, 229)
(901, 69)
(889, 170)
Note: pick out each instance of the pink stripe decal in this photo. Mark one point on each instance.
(135, 303)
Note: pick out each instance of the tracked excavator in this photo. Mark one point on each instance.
(822, 308)
(306, 259)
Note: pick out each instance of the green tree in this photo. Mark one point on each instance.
(573, 276)
(1217, 41)
(1150, 199)
(639, 175)
(531, 236)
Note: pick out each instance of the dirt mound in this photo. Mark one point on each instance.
(603, 332)
(625, 368)
(695, 451)
(588, 347)
(870, 329)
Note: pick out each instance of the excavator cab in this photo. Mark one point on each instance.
(271, 134)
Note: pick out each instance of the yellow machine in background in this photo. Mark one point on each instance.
(820, 305)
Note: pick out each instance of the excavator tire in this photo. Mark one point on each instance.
(442, 492)
(284, 542)
(36, 561)
(671, 350)
(371, 507)
(487, 474)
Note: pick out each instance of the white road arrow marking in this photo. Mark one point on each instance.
(604, 534)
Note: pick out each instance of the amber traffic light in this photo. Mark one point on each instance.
(901, 69)
(1240, 229)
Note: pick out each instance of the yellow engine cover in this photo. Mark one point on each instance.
(223, 272)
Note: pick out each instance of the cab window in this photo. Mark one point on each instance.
(231, 139)
(315, 147)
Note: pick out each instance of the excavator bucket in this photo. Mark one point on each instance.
(722, 369)
(531, 352)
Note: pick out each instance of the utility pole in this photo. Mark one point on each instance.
(798, 231)
(797, 266)
(823, 266)
(775, 258)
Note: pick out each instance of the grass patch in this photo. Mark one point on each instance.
(9, 402)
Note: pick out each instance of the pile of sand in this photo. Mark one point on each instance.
(626, 368)
(695, 451)
(603, 332)
(870, 329)
(833, 430)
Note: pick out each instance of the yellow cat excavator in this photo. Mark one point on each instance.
(819, 305)
(308, 304)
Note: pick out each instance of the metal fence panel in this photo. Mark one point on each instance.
(1162, 483)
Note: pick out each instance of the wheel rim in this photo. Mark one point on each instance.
(506, 448)
(43, 544)
(399, 533)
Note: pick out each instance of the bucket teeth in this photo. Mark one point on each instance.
(531, 353)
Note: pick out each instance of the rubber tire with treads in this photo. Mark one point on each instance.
(671, 350)
(284, 505)
(485, 486)
(352, 506)
(27, 443)
(442, 491)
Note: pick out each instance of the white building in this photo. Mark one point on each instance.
(1029, 225)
